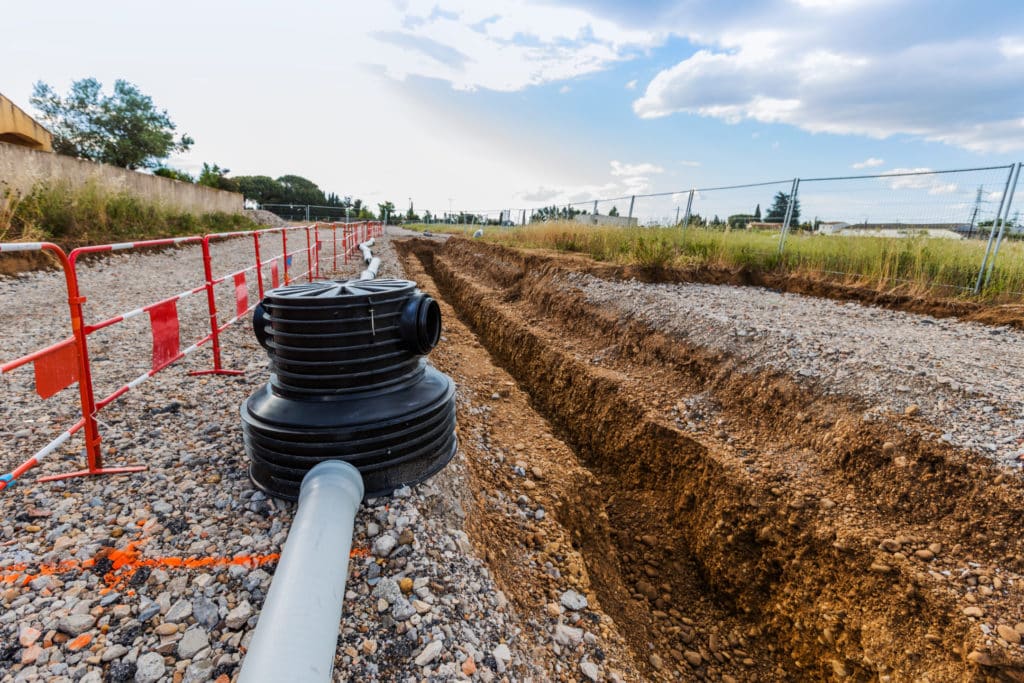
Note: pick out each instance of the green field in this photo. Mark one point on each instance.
(918, 265)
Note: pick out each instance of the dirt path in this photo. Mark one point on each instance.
(786, 538)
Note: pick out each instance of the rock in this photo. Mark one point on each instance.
(114, 652)
(502, 656)
(383, 546)
(590, 670)
(149, 668)
(647, 589)
(429, 653)
(28, 635)
(76, 624)
(1008, 634)
(420, 606)
(372, 529)
(912, 410)
(199, 672)
(469, 666)
(123, 671)
(194, 640)
(239, 615)
(656, 662)
(369, 647)
(205, 612)
(567, 636)
(573, 600)
(166, 629)
(180, 611)
(980, 658)
(888, 448)
(402, 609)
(30, 654)
(148, 612)
(925, 554)
(405, 585)
(693, 658)
(406, 537)
(973, 611)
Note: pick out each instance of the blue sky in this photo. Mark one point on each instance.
(513, 103)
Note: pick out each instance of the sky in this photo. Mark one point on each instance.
(487, 105)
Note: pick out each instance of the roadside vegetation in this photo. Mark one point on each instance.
(89, 214)
(918, 266)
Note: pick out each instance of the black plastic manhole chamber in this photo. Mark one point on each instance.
(349, 382)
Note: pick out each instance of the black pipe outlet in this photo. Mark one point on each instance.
(349, 382)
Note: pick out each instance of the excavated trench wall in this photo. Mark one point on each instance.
(783, 522)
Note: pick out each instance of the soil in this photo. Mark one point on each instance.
(798, 541)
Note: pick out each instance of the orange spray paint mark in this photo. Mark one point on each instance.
(120, 564)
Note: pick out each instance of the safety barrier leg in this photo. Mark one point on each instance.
(211, 301)
(259, 264)
(309, 256)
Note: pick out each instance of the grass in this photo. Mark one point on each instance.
(90, 214)
(922, 266)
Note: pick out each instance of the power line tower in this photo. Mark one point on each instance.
(975, 212)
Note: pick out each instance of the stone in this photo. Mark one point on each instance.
(502, 656)
(973, 611)
(693, 658)
(429, 653)
(406, 537)
(179, 611)
(402, 609)
(567, 636)
(372, 529)
(912, 410)
(572, 600)
(114, 652)
(28, 635)
(656, 662)
(405, 585)
(30, 654)
(194, 640)
(383, 546)
(199, 672)
(590, 670)
(205, 612)
(239, 615)
(469, 666)
(76, 624)
(925, 554)
(980, 658)
(149, 668)
(369, 646)
(1008, 634)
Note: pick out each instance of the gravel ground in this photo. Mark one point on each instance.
(962, 379)
(92, 581)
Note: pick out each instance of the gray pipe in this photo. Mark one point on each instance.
(365, 248)
(371, 270)
(297, 634)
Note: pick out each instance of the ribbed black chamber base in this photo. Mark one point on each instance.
(391, 442)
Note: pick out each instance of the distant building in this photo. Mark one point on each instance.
(18, 128)
(598, 219)
(953, 231)
(830, 227)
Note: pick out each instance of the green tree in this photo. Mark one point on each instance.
(739, 220)
(261, 188)
(387, 212)
(299, 190)
(216, 177)
(777, 211)
(614, 211)
(757, 213)
(123, 129)
(173, 174)
(410, 215)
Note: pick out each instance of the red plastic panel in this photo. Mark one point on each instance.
(57, 369)
(166, 343)
(275, 277)
(241, 294)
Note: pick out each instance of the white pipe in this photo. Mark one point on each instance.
(371, 270)
(365, 248)
(297, 635)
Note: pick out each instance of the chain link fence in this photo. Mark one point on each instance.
(830, 217)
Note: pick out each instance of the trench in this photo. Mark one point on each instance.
(751, 552)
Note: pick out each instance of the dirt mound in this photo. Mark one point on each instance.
(794, 540)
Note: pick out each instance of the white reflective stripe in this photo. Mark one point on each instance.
(122, 245)
(132, 314)
(190, 349)
(22, 246)
(185, 295)
(179, 240)
(138, 380)
(52, 446)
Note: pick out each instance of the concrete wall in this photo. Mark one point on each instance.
(21, 168)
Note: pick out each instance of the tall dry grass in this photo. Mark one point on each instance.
(916, 265)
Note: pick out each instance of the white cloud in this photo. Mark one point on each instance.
(620, 169)
(631, 85)
(870, 162)
(564, 89)
(801, 68)
(921, 179)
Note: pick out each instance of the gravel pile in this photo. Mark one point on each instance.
(159, 576)
(265, 218)
(963, 379)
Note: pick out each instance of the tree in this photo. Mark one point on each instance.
(757, 213)
(124, 129)
(387, 212)
(216, 177)
(410, 215)
(739, 220)
(777, 211)
(299, 190)
(614, 211)
(173, 174)
(261, 188)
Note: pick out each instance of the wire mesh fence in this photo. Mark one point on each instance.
(946, 228)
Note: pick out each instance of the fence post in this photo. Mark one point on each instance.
(259, 263)
(284, 253)
(307, 213)
(992, 231)
(689, 205)
(334, 239)
(309, 256)
(632, 200)
(1002, 226)
(789, 213)
(211, 302)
